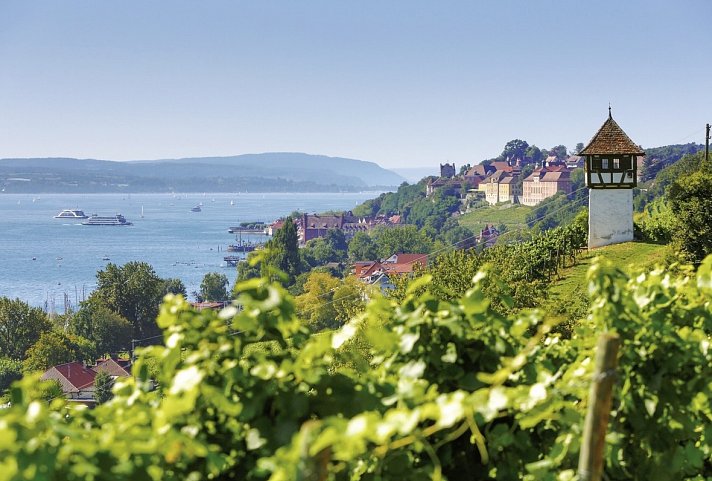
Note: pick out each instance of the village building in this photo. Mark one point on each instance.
(488, 236)
(75, 379)
(381, 272)
(545, 182)
(502, 186)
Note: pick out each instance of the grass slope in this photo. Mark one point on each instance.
(567, 296)
(512, 215)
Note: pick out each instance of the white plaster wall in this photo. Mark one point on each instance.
(610, 216)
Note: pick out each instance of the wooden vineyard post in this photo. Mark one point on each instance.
(590, 466)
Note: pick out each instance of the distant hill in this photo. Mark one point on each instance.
(268, 172)
(414, 174)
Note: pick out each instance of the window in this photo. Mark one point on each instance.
(616, 164)
(604, 164)
(596, 163)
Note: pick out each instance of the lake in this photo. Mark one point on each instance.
(44, 261)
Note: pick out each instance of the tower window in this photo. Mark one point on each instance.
(604, 164)
(616, 164)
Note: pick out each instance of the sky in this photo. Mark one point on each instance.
(401, 83)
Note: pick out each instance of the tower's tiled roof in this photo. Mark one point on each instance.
(610, 139)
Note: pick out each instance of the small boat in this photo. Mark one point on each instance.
(71, 214)
(142, 212)
(117, 219)
(197, 208)
(105, 258)
(232, 202)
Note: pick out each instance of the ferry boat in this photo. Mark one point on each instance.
(117, 219)
(71, 214)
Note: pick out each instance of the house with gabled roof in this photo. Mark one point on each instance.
(76, 380)
(114, 367)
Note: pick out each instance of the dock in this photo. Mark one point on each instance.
(247, 230)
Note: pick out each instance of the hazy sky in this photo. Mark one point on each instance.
(404, 84)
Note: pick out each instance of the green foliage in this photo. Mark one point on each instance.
(330, 248)
(213, 287)
(349, 299)
(515, 150)
(656, 223)
(691, 205)
(282, 253)
(20, 327)
(174, 286)
(401, 239)
(519, 273)
(55, 347)
(362, 247)
(658, 158)
(102, 387)
(134, 291)
(10, 371)
(315, 305)
(422, 389)
(110, 332)
(677, 170)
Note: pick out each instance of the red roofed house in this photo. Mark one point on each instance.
(76, 380)
(377, 272)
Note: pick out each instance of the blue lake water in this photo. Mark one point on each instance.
(175, 241)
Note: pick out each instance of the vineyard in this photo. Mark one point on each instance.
(424, 388)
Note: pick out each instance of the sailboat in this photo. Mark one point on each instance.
(142, 212)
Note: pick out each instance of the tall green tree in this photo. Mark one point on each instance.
(134, 291)
(214, 287)
(315, 305)
(10, 371)
(515, 150)
(20, 327)
(283, 252)
(109, 330)
(362, 247)
(559, 152)
(102, 387)
(174, 286)
(54, 347)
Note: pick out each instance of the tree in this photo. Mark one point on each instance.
(54, 347)
(404, 239)
(362, 247)
(349, 299)
(110, 331)
(515, 150)
(10, 371)
(134, 291)
(174, 286)
(283, 252)
(559, 152)
(534, 154)
(214, 287)
(691, 202)
(20, 327)
(102, 387)
(578, 149)
(315, 305)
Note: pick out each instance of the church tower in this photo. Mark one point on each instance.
(611, 173)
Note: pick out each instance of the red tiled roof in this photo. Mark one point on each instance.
(77, 374)
(610, 139)
(410, 258)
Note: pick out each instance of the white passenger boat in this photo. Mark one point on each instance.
(71, 214)
(117, 219)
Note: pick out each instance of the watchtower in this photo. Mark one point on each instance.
(610, 165)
